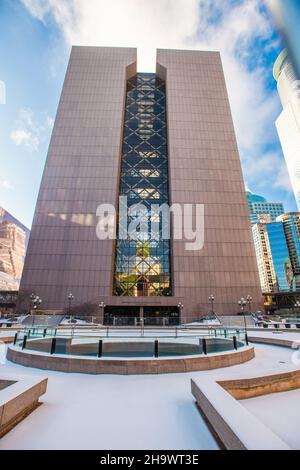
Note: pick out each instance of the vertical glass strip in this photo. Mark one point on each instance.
(142, 265)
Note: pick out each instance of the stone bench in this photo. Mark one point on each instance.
(18, 398)
(234, 427)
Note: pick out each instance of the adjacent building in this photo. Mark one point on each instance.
(13, 242)
(277, 246)
(261, 210)
(274, 264)
(159, 138)
(291, 225)
(288, 123)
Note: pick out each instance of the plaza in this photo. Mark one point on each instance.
(115, 411)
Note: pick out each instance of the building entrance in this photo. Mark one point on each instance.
(136, 316)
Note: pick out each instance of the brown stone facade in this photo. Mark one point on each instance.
(83, 170)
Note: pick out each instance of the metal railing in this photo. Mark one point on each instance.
(110, 342)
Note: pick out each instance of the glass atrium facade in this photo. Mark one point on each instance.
(142, 265)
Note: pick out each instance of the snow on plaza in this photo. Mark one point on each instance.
(107, 411)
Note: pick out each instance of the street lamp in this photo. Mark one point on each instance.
(180, 307)
(249, 302)
(297, 305)
(242, 303)
(102, 307)
(36, 301)
(70, 299)
(211, 298)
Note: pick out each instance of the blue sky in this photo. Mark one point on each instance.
(35, 41)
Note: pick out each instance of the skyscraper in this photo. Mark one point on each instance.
(274, 263)
(13, 241)
(288, 123)
(260, 208)
(166, 139)
(291, 225)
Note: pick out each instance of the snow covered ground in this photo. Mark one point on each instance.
(280, 412)
(125, 412)
(110, 412)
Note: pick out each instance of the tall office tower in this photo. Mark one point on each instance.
(291, 224)
(12, 250)
(288, 123)
(153, 139)
(261, 210)
(274, 263)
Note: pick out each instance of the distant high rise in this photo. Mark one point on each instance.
(277, 247)
(13, 240)
(274, 264)
(291, 225)
(262, 210)
(288, 123)
(155, 139)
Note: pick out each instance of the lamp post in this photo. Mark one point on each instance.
(211, 298)
(249, 302)
(102, 307)
(36, 302)
(180, 308)
(70, 299)
(297, 304)
(242, 303)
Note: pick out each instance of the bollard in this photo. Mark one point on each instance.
(53, 345)
(45, 332)
(204, 346)
(176, 332)
(28, 333)
(246, 339)
(107, 331)
(15, 338)
(24, 342)
(156, 348)
(225, 334)
(100, 344)
(235, 343)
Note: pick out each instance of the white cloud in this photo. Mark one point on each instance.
(38, 8)
(151, 24)
(50, 121)
(6, 184)
(20, 137)
(28, 131)
(270, 169)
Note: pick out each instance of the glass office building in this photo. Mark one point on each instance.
(274, 264)
(277, 247)
(280, 256)
(291, 225)
(261, 210)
